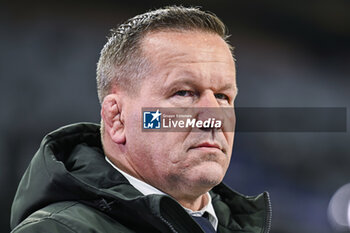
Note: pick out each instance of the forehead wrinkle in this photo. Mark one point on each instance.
(173, 59)
(179, 58)
(198, 80)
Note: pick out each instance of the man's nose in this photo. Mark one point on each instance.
(208, 108)
(207, 100)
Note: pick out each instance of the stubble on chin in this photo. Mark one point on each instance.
(195, 180)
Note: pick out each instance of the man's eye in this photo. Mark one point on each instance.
(184, 93)
(222, 96)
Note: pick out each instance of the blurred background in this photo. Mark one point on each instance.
(289, 54)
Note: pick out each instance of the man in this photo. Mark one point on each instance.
(122, 179)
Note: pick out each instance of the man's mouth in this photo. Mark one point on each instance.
(207, 146)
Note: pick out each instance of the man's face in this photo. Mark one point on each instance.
(189, 69)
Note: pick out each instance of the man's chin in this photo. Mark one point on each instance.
(208, 176)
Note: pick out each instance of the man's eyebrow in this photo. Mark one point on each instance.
(179, 81)
(188, 81)
(173, 85)
(229, 86)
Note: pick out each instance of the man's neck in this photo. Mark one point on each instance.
(194, 204)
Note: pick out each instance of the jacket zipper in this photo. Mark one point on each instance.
(168, 224)
(268, 219)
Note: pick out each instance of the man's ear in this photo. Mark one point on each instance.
(111, 114)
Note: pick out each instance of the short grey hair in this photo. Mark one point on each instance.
(122, 63)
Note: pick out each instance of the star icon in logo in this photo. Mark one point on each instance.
(156, 115)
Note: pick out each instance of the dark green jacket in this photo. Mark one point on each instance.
(69, 187)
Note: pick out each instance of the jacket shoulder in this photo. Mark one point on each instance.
(70, 217)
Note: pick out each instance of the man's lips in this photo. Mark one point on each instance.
(207, 146)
